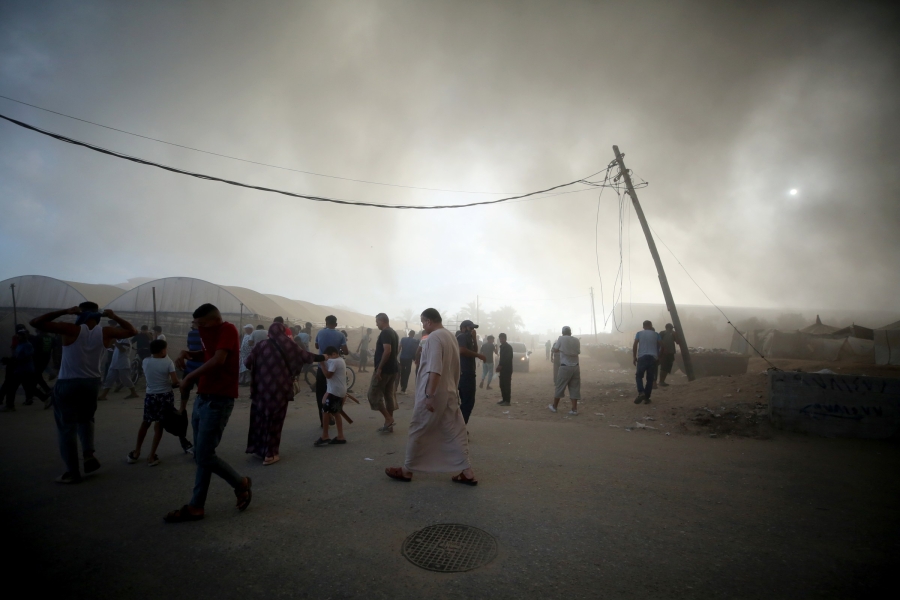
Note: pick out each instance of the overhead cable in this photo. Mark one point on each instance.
(253, 162)
(142, 161)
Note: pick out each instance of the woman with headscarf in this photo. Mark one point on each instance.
(246, 348)
(274, 362)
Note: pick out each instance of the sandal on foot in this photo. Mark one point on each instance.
(387, 428)
(337, 441)
(153, 460)
(91, 464)
(244, 495)
(461, 478)
(271, 460)
(182, 515)
(320, 442)
(396, 473)
(131, 458)
(67, 477)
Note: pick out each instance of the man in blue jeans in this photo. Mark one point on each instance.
(217, 388)
(646, 353)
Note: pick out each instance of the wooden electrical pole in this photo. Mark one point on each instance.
(667, 293)
(154, 307)
(12, 289)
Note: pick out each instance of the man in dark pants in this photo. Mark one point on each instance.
(468, 352)
(217, 387)
(408, 348)
(505, 370)
(329, 336)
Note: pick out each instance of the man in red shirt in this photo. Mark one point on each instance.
(217, 388)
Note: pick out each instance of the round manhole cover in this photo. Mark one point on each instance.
(450, 548)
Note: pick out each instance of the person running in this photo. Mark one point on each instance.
(119, 371)
(303, 338)
(468, 352)
(217, 388)
(569, 374)
(488, 349)
(329, 336)
(142, 343)
(382, 397)
(363, 350)
(438, 441)
(159, 371)
(43, 351)
(335, 371)
(645, 351)
(666, 353)
(195, 348)
(505, 370)
(408, 347)
(76, 389)
(246, 349)
(22, 372)
(273, 364)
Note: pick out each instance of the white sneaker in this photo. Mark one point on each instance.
(551, 407)
(573, 412)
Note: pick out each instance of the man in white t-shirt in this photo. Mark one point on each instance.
(646, 353)
(335, 370)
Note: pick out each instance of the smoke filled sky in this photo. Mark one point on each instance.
(724, 108)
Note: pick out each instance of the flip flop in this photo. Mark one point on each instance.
(397, 473)
(461, 478)
(271, 460)
(337, 441)
(244, 495)
(182, 515)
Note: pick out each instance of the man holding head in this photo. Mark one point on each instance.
(568, 348)
(78, 384)
(329, 336)
(438, 441)
(382, 391)
(217, 387)
(468, 352)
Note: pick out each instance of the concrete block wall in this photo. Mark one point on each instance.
(835, 405)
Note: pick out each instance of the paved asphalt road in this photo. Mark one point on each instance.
(578, 513)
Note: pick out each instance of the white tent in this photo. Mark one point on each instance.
(887, 344)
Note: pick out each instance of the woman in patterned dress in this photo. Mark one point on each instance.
(273, 363)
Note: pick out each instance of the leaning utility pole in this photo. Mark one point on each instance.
(667, 293)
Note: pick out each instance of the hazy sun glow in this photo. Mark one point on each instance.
(793, 192)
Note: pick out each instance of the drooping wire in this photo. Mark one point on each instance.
(761, 355)
(253, 162)
(142, 161)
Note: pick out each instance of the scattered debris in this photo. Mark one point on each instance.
(368, 459)
(640, 425)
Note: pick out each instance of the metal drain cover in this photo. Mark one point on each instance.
(450, 548)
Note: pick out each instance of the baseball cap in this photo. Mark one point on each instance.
(468, 323)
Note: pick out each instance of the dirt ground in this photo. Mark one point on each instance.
(582, 507)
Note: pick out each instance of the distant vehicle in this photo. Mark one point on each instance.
(521, 357)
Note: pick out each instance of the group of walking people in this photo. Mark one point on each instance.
(214, 362)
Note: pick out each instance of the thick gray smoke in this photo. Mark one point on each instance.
(723, 107)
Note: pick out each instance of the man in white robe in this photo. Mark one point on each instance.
(438, 441)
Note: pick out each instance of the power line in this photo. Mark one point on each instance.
(253, 162)
(142, 161)
(710, 299)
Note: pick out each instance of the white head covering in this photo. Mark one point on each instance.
(248, 326)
